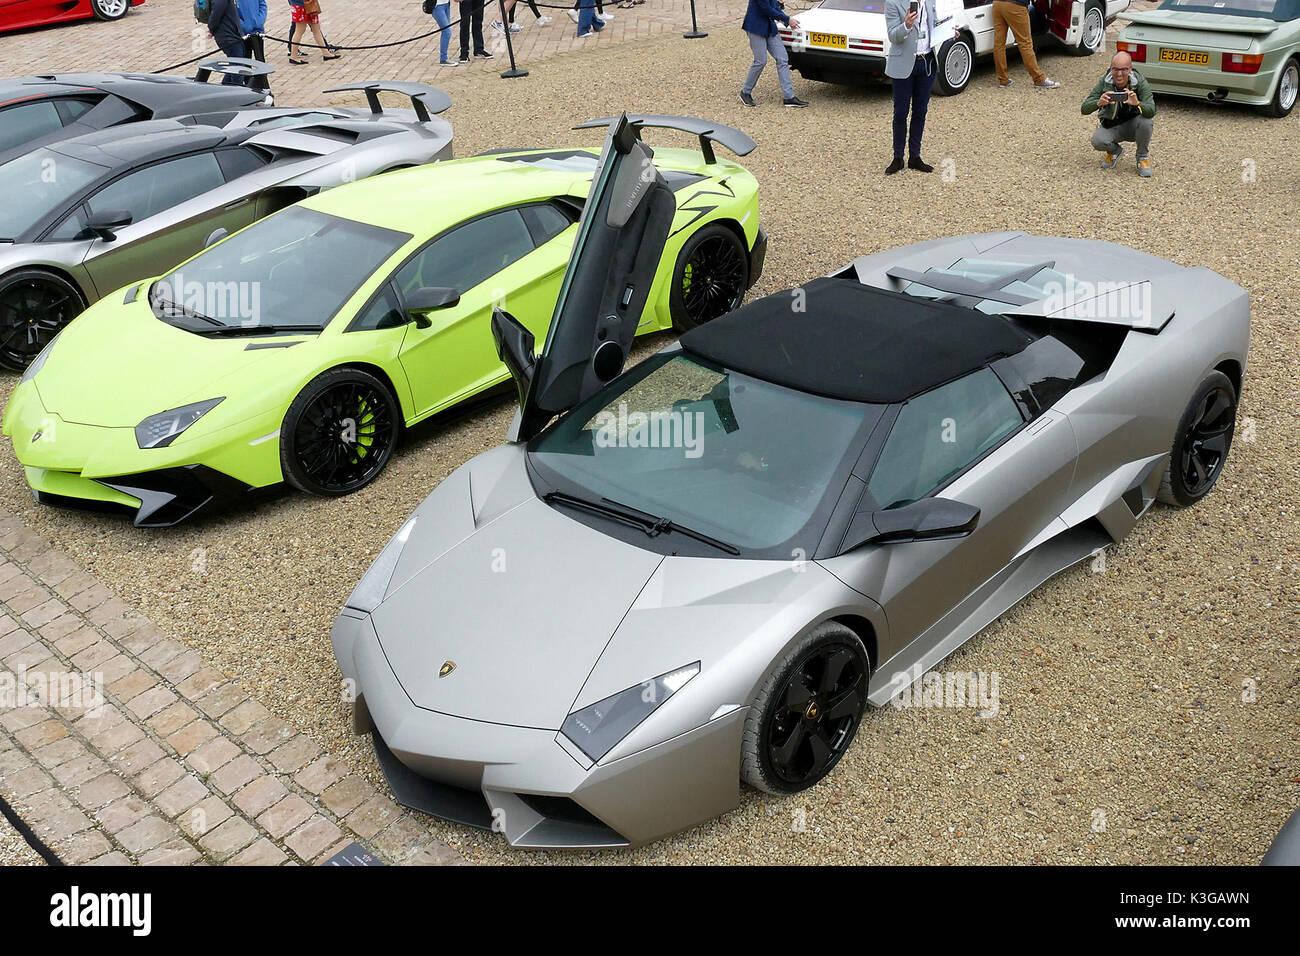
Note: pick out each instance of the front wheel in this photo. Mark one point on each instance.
(956, 61)
(339, 433)
(710, 277)
(1093, 35)
(109, 9)
(803, 718)
(1201, 443)
(34, 306)
(1288, 85)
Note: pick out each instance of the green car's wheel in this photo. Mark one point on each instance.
(805, 714)
(1288, 86)
(34, 306)
(1201, 443)
(710, 278)
(110, 9)
(339, 433)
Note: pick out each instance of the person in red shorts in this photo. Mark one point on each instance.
(302, 21)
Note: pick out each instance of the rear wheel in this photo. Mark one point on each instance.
(1288, 85)
(710, 278)
(956, 62)
(804, 716)
(34, 306)
(1201, 443)
(1093, 35)
(339, 433)
(110, 9)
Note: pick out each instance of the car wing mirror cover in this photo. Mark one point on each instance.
(928, 519)
(105, 224)
(516, 348)
(429, 299)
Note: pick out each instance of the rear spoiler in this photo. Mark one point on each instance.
(232, 66)
(709, 133)
(425, 100)
(1162, 18)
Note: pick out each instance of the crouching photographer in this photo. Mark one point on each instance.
(1125, 105)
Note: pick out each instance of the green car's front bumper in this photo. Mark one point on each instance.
(89, 465)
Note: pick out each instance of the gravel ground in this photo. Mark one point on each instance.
(1123, 735)
(14, 850)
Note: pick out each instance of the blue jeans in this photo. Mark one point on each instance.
(587, 17)
(761, 46)
(442, 17)
(913, 92)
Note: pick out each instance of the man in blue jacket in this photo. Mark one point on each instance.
(252, 21)
(760, 23)
(223, 25)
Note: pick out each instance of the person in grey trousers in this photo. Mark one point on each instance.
(760, 23)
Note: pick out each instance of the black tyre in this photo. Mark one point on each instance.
(805, 714)
(1288, 86)
(956, 63)
(339, 433)
(1093, 36)
(710, 278)
(1201, 443)
(110, 9)
(34, 306)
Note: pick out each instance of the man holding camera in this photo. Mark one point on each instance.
(1125, 105)
(910, 64)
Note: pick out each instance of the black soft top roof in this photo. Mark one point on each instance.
(855, 342)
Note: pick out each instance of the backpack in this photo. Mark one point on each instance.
(201, 10)
(429, 5)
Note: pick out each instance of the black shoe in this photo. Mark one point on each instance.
(920, 165)
(483, 54)
(895, 167)
(795, 101)
(746, 98)
(464, 58)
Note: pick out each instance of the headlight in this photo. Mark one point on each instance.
(39, 360)
(159, 431)
(370, 590)
(596, 729)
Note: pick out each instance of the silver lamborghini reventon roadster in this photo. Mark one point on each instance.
(702, 569)
(88, 215)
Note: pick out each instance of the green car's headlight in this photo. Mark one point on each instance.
(159, 431)
(596, 729)
(39, 360)
(370, 590)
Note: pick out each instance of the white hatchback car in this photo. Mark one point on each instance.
(844, 41)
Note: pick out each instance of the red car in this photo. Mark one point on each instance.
(17, 14)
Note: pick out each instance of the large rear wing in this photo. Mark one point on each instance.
(709, 133)
(425, 100)
(232, 66)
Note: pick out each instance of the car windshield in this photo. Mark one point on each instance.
(36, 184)
(857, 6)
(290, 272)
(722, 454)
(1280, 10)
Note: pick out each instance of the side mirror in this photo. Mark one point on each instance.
(926, 520)
(215, 236)
(104, 224)
(428, 299)
(515, 347)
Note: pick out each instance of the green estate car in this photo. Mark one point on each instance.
(1235, 51)
(299, 348)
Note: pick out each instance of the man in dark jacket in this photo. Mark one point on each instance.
(1125, 105)
(760, 23)
(223, 25)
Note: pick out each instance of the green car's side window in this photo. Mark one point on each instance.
(938, 434)
(383, 312)
(468, 254)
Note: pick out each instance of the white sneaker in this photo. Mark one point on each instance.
(515, 28)
(496, 25)
(573, 15)
(542, 21)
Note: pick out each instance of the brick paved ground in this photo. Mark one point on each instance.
(163, 32)
(180, 765)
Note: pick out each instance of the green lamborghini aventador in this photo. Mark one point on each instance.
(299, 348)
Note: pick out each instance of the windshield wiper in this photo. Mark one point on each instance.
(172, 309)
(262, 329)
(652, 525)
